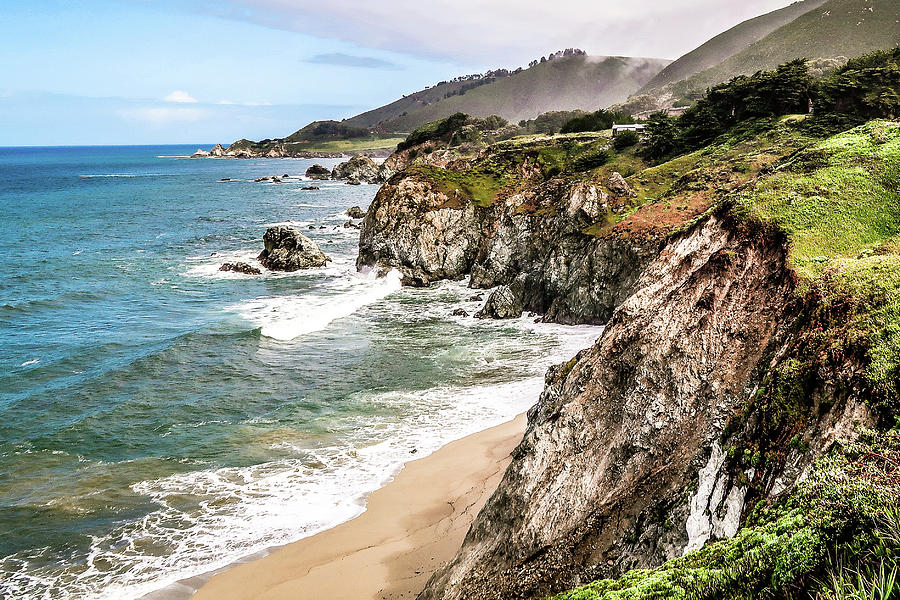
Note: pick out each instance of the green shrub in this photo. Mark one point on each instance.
(595, 121)
(590, 160)
(442, 128)
(626, 139)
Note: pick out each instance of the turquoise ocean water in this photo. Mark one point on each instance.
(159, 418)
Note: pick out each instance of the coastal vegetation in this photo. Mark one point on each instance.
(826, 32)
(814, 196)
(836, 536)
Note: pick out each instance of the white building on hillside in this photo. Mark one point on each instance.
(636, 127)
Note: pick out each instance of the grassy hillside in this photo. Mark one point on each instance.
(837, 28)
(836, 201)
(577, 82)
(729, 43)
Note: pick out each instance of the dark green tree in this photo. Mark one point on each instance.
(662, 137)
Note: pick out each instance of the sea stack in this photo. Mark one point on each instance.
(286, 249)
(318, 172)
(361, 168)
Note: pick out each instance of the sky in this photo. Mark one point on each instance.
(213, 71)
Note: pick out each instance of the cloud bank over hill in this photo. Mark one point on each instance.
(469, 31)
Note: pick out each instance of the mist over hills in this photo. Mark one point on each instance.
(826, 32)
(566, 83)
(729, 43)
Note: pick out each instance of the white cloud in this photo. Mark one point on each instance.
(180, 96)
(494, 32)
(163, 115)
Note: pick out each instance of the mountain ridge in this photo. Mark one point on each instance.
(729, 43)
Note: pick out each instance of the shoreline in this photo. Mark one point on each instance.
(410, 527)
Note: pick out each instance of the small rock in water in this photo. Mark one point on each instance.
(503, 303)
(413, 451)
(459, 313)
(286, 249)
(285, 176)
(361, 168)
(350, 225)
(318, 172)
(356, 212)
(353, 181)
(477, 298)
(240, 267)
(310, 187)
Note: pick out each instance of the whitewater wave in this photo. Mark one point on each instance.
(211, 517)
(248, 510)
(288, 223)
(288, 317)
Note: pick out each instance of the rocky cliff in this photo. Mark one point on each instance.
(750, 293)
(497, 219)
(623, 464)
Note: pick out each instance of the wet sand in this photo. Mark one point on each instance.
(411, 526)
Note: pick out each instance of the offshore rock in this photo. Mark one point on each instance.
(318, 172)
(355, 212)
(359, 167)
(353, 181)
(240, 267)
(217, 150)
(201, 153)
(503, 303)
(286, 249)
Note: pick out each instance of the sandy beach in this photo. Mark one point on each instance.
(410, 527)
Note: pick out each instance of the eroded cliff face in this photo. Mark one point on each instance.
(532, 237)
(628, 459)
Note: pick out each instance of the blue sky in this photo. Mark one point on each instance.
(203, 71)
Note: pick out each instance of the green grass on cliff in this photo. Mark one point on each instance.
(838, 202)
(836, 199)
(868, 289)
(843, 516)
(478, 186)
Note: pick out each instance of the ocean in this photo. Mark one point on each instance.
(160, 419)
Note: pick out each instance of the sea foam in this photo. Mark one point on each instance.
(288, 317)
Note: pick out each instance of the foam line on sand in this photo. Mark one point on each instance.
(410, 527)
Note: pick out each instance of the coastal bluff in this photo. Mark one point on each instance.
(663, 436)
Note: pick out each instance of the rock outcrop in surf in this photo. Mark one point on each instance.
(361, 168)
(318, 172)
(286, 249)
